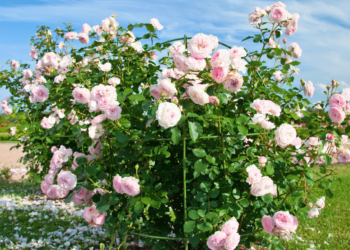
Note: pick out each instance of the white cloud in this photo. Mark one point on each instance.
(321, 87)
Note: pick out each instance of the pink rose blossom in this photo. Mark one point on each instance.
(96, 131)
(47, 123)
(44, 187)
(278, 75)
(70, 35)
(197, 95)
(295, 49)
(103, 102)
(22, 172)
(344, 156)
(105, 67)
(33, 53)
(231, 226)
(114, 81)
(200, 46)
(81, 95)
(254, 18)
(113, 111)
(14, 171)
(239, 64)
(56, 192)
(117, 184)
(278, 14)
(321, 202)
(81, 193)
(330, 137)
(262, 186)
(214, 100)
(217, 240)
(127, 38)
(215, 41)
(262, 160)
(168, 86)
(195, 64)
(39, 93)
(99, 219)
(283, 220)
(219, 74)
(86, 29)
(285, 135)
(337, 101)
(237, 52)
(297, 142)
(49, 178)
(156, 92)
(309, 89)
(83, 38)
(14, 64)
(156, 24)
(295, 224)
(232, 241)
(98, 119)
(313, 212)
(233, 82)
(89, 213)
(168, 114)
(337, 115)
(27, 73)
(130, 186)
(253, 176)
(220, 58)
(267, 223)
(180, 61)
(66, 180)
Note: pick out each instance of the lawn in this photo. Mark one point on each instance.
(35, 223)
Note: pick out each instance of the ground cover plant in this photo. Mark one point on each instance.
(182, 148)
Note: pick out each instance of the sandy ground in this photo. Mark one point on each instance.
(9, 158)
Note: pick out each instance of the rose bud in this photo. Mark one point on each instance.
(262, 160)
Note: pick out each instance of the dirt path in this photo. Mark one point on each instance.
(9, 158)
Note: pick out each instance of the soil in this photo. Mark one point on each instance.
(10, 158)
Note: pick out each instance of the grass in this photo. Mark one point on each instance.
(53, 227)
(330, 230)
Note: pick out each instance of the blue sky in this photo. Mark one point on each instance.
(323, 29)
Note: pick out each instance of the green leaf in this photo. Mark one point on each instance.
(145, 105)
(91, 170)
(201, 197)
(102, 207)
(329, 193)
(138, 207)
(199, 152)
(81, 160)
(223, 98)
(210, 159)
(146, 200)
(244, 203)
(69, 198)
(175, 135)
(267, 198)
(327, 159)
(211, 215)
(270, 169)
(189, 226)
(278, 51)
(149, 27)
(214, 193)
(205, 186)
(194, 240)
(125, 123)
(193, 215)
(200, 166)
(137, 97)
(325, 183)
(195, 130)
(242, 130)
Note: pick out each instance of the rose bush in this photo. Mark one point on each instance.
(200, 146)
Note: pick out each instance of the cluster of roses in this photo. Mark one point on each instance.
(51, 120)
(276, 13)
(260, 185)
(226, 239)
(66, 180)
(264, 107)
(314, 211)
(4, 105)
(282, 223)
(126, 185)
(339, 106)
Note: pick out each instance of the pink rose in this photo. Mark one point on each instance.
(105, 67)
(214, 100)
(217, 240)
(313, 212)
(231, 226)
(253, 176)
(262, 186)
(168, 86)
(89, 213)
(49, 178)
(295, 49)
(215, 41)
(239, 64)
(267, 223)
(117, 184)
(262, 160)
(70, 35)
(66, 180)
(96, 149)
(180, 61)
(254, 18)
(44, 187)
(261, 106)
(337, 115)
(14, 64)
(156, 24)
(200, 46)
(27, 73)
(197, 95)
(40, 93)
(99, 220)
(219, 74)
(77, 201)
(278, 14)
(86, 29)
(103, 103)
(113, 111)
(56, 192)
(98, 119)
(237, 52)
(156, 92)
(220, 58)
(14, 171)
(283, 220)
(195, 64)
(22, 172)
(130, 186)
(337, 101)
(344, 156)
(285, 135)
(233, 82)
(278, 75)
(81, 95)
(309, 89)
(127, 37)
(81, 193)
(83, 38)
(330, 137)
(47, 123)
(96, 131)
(114, 81)
(168, 114)
(321, 202)
(297, 142)
(232, 241)
(34, 54)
